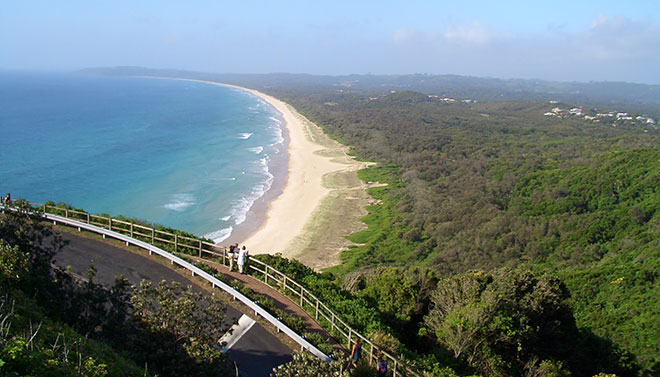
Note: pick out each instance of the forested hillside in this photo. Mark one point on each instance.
(489, 185)
(478, 88)
(505, 242)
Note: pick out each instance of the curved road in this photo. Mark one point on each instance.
(256, 353)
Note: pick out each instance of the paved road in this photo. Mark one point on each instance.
(256, 353)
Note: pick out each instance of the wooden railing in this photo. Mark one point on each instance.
(325, 316)
(262, 271)
(196, 271)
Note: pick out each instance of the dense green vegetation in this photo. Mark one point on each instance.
(505, 243)
(53, 325)
(491, 185)
(509, 322)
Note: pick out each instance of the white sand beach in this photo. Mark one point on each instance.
(321, 201)
(303, 191)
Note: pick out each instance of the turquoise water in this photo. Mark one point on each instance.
(184, 154)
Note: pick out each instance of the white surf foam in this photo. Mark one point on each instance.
(279, 138)
(225, 218)
(242, 206)
(245, 135)
(180, 202)
(256, 150)
(219, 235)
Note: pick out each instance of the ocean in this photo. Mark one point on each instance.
(187, 155)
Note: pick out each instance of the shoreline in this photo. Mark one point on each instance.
(319, 201)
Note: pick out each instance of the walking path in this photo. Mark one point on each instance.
(282, 301)
(134, 268)
(256, 351)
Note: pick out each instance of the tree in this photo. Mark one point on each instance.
(25, 231)
(306, 365)
(178, 329)
(499, 322)
(14, 268)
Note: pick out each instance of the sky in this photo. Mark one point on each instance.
(548, 40)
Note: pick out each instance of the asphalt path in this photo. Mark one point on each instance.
(256, 353)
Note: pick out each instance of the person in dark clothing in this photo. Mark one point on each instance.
(381, 365)
(356, 352)
(230, 254)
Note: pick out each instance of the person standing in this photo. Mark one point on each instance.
(230, 254)
(247, 260)
(242, 256)
(381, 366)
(356, 353)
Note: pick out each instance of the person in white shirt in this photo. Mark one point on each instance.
(242, 258)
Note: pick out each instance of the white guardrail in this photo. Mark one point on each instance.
(304, 344)
(271, 276)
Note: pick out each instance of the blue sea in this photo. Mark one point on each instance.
(188, 155)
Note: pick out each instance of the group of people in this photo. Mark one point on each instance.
(356, 355)
(6, 200)
(238, 255)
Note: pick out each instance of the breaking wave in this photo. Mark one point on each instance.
(180, 202)
(245, 135)
(219, 235)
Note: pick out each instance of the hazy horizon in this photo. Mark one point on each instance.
(560, 41)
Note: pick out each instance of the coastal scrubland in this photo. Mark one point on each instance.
(497, 206)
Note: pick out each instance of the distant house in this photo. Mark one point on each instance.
(559, 112)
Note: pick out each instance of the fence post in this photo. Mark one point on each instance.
(200, 249)
(302, 291)
(371, 354)
(66, 213)
(176, 242)
(350, 334)
(88, 218)
(316, 314)
(131, 230)
(266, 276)
(284, 284)
(224, 256)
(110, 222)
(153, 234)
